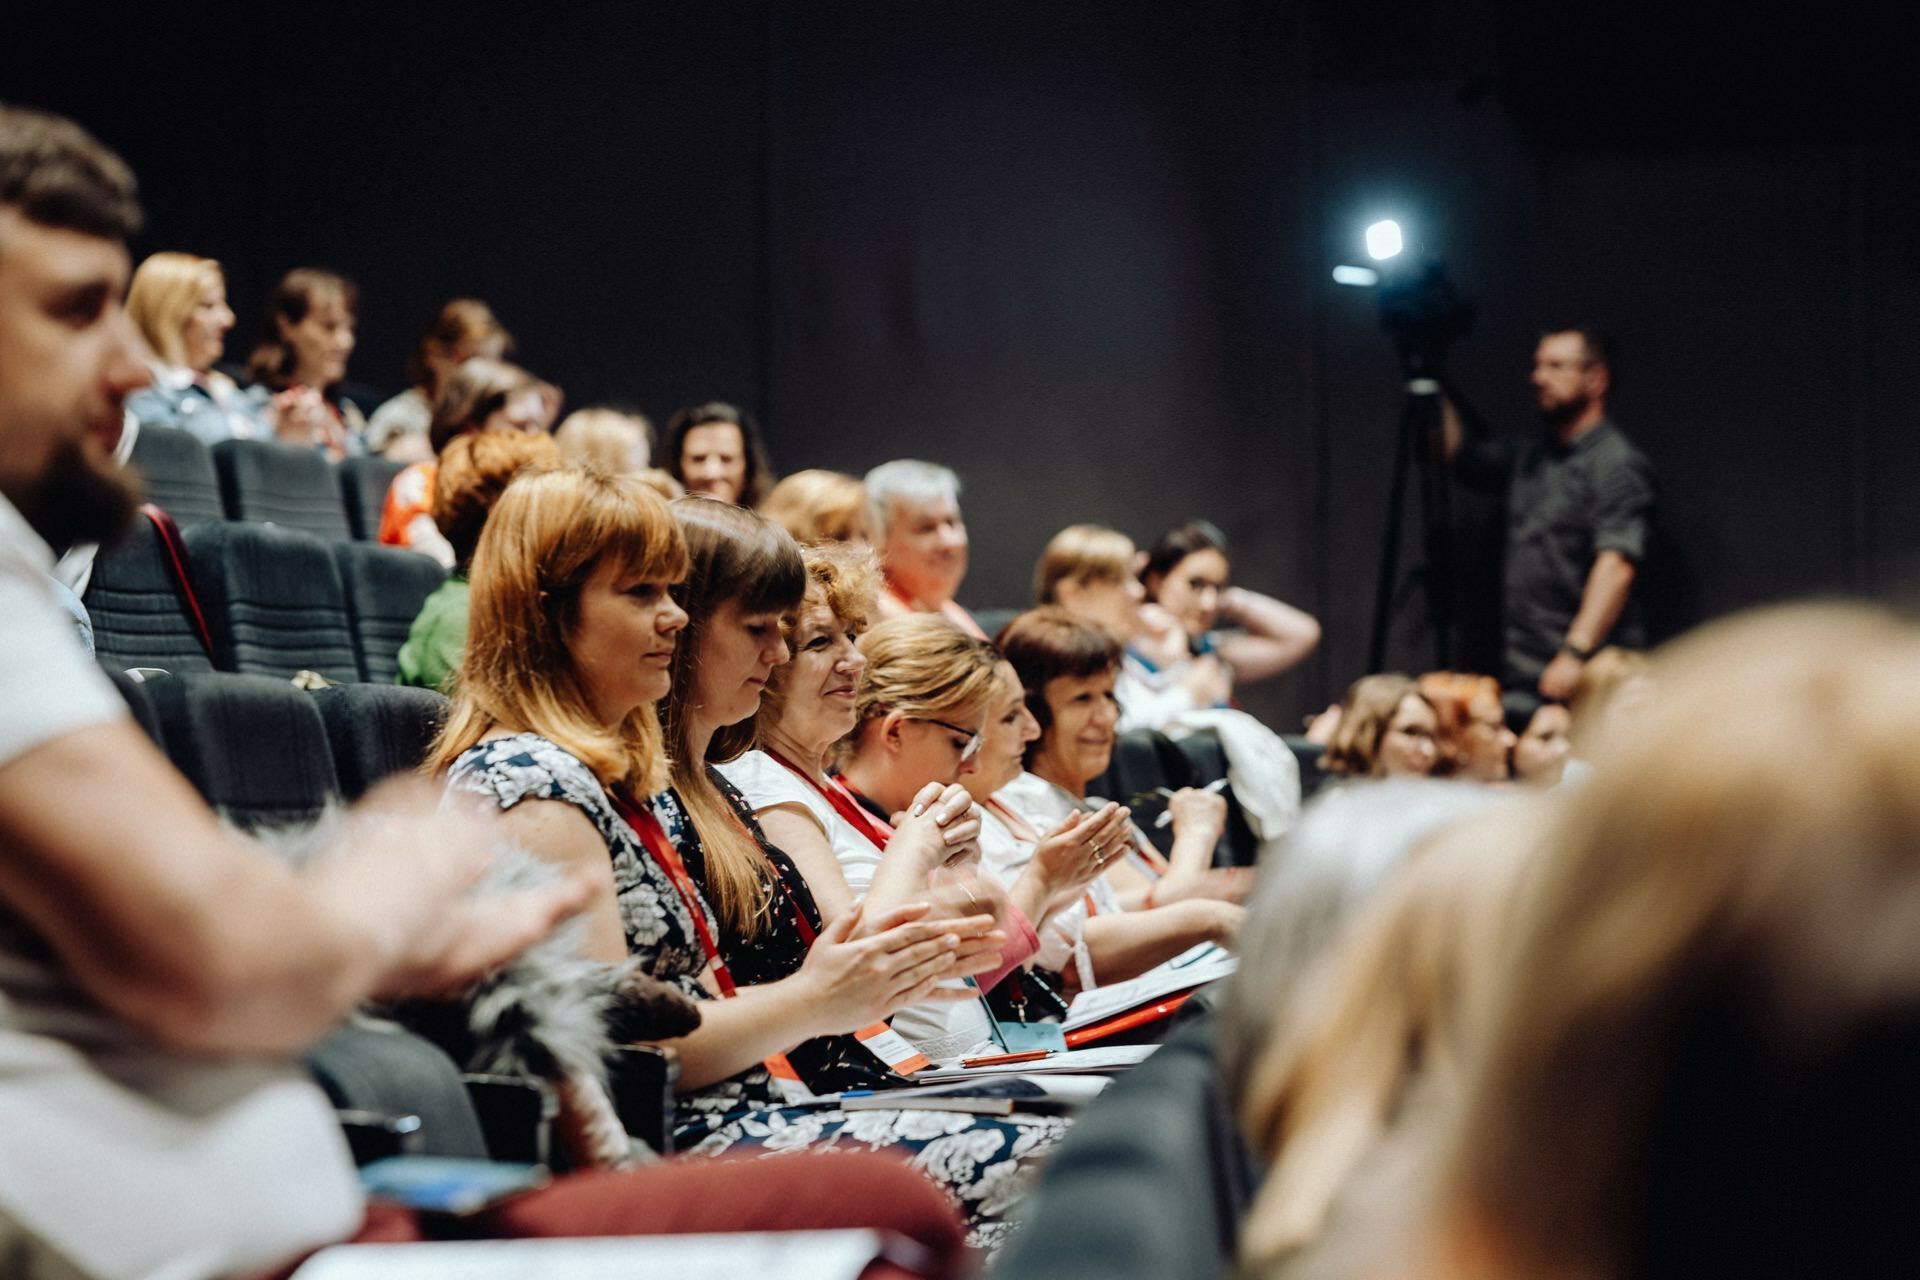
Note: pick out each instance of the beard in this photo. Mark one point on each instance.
(1559, 413)
(77, 500)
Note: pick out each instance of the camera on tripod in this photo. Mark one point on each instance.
(1418, 306)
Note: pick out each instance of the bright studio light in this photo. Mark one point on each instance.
(1364, 277)
(1383, 240)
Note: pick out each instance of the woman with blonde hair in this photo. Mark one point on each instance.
(1340, 1087)
(609, 439)
(821, 506)
(1090, 571)
(1385, 728)
(770, 932)
(461, 330)
(178, 302)
(1702, 1062)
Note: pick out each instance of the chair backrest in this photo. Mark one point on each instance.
(254, 747)
(272, 599)
(179, 474)
(1307, 755)
(1238, 846)
(269, 483)
(388, 1070)
(134, 693)
(139, 618)
(377, 730)
(385, 587)
(1143, 761)
(363, 488)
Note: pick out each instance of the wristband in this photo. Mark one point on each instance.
(1568, 646)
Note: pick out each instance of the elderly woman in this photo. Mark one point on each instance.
(820, 506)
(1067, 671)
(179, 304)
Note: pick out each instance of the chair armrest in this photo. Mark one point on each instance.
(515, 1114)
(642, 1076)
(374, 1135)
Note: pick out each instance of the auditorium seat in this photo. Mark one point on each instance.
(178, 473)
(363, 489)
(139, 617)
(385, 587)
(272, 599)
(268, 483)
(389, 1071)
(139, 703)
(1207, 759)
(1143, 761)
(1151, 1181)
(1307, 755)
(254, 747)
(376, 730)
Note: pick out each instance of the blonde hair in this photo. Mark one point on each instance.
(820, 506)
(164, 292)
(1365, 713)
(1395, 1001)
(847, 581)
(661, 482)
(1717, 965)
(1601, 679)
(732, 555)
(924, 665)
(549, 532)
(1082, 553)
(605, 438)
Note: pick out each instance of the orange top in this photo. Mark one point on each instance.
(408, 497)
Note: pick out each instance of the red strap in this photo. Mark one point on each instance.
(836, 794)
(177, 566)
(647, 826)
(1019, 826)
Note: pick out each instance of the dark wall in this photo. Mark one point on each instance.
(1079, 251)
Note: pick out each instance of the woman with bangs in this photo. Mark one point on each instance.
(746, 573)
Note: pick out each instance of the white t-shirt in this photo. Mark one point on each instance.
(122, 1158)
(940, 1030)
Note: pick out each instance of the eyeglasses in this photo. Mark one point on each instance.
(972, 736)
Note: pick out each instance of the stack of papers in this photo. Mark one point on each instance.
(1196, 968)
(1115, 1058)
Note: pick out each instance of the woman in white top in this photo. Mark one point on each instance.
(1166, 904)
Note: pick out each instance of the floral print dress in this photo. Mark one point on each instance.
(982, 1161)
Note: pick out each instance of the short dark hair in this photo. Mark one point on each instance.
(58, 175)
(1048, 643)
(1599, 345)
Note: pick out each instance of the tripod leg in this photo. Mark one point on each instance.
(1436, 516)
(1403, 454)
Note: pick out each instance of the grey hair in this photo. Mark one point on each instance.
(1347, 844)
(906, 480)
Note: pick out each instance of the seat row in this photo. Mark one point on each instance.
(255, 599)
(264, 482)
(267, 755)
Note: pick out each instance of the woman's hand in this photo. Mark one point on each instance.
(941, 826)
(1207, 681)
(1198, 815)
(854, 981)
(1073, 854)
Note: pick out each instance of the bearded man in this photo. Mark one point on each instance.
(1580, 502)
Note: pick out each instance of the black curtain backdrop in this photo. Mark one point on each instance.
(1080, 251)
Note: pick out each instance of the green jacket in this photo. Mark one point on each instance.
(437, 639)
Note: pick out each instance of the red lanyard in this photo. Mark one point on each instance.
(1019, 826)
(836, 794)
(647, 826)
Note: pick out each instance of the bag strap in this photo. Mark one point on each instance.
(177, 569)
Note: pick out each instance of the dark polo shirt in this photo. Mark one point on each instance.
(1565, 505)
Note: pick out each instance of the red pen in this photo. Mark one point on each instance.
(1125, 1021)
(1002, 1059)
